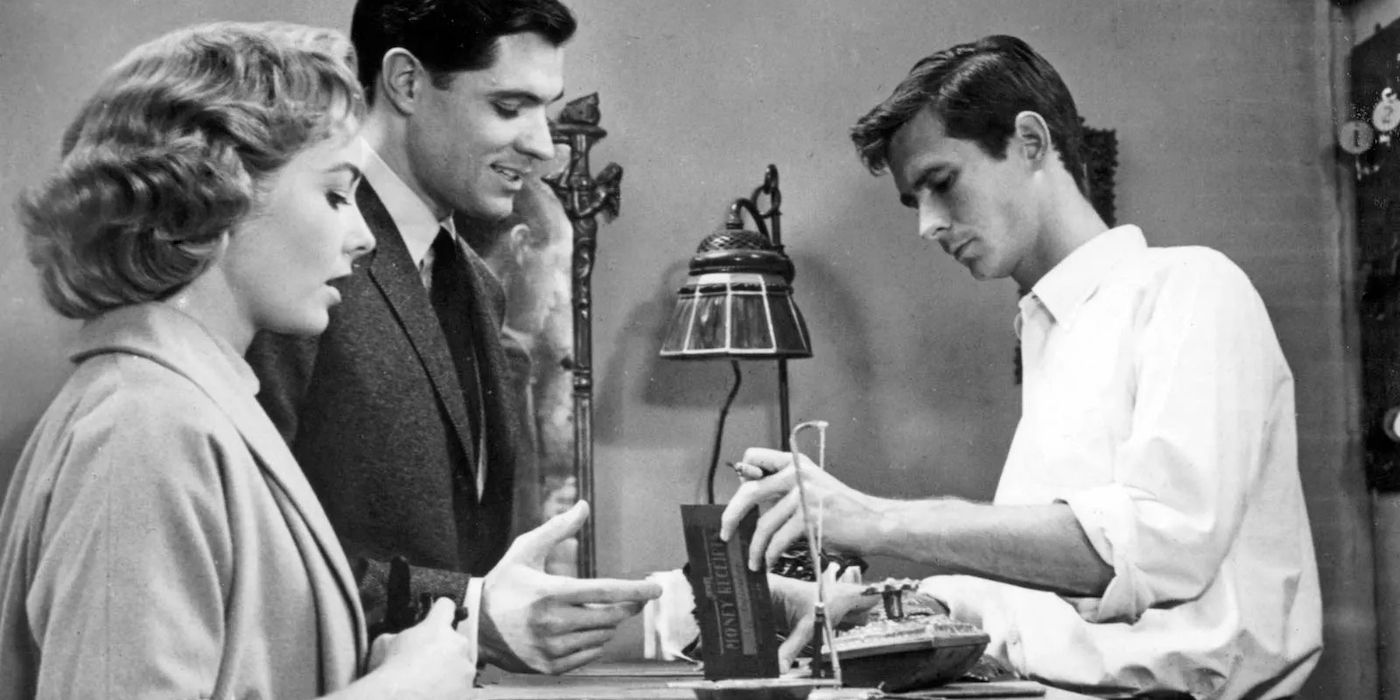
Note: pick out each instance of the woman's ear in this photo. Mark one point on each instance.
(214, 252)
(401, 79)
(1033, 137)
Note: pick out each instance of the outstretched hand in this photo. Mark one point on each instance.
(849, 517)
(537, 622)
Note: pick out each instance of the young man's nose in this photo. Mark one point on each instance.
(535, 140)
(933, 226)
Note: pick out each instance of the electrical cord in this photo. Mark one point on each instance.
(719, 433)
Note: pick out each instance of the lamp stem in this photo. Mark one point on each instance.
(784, 420)
(719, 433)
(775, 234)
(775, 202)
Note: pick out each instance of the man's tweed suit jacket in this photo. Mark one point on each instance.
(375, 415)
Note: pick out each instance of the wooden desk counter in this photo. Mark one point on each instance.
(649, 680)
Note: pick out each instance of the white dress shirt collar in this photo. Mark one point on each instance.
(1065, 288)
(410, 213)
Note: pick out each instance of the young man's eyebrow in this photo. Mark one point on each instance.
(907, 198)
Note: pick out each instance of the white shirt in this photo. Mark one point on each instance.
(1157, 403)
(419, 228)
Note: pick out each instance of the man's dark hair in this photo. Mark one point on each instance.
(976, 90)
(449, 36)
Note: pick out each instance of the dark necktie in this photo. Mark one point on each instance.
(451, 295)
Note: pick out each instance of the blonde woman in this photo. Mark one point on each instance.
(159, 540)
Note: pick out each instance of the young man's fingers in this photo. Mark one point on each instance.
(580, 591)
(750, 495)
(790, 532)
(769, 524)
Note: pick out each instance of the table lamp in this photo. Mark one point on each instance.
(736, 304)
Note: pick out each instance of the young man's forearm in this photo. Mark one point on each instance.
(1035, 546)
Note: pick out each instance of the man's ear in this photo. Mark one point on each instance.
(1033, 137)
(401, 79)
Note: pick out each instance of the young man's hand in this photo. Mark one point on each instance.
(532, 621)
(849, 517)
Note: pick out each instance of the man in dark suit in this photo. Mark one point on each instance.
(399, 413)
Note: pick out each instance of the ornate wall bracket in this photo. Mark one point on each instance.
(585, 197)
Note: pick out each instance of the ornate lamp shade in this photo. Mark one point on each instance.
(737, 302)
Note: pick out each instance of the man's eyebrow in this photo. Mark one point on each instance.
(907, 198)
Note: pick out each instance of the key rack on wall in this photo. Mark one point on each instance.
(1370, 144)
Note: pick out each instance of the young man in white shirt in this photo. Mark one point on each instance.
(1149, 531)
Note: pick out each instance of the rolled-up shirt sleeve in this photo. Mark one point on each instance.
(1201, 409)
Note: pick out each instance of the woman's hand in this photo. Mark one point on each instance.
(428, 660)
(794, 604)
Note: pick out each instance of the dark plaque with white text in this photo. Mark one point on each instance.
(732, 604)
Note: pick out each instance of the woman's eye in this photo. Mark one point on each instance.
(337, 200)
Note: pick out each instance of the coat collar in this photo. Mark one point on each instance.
(175, 340)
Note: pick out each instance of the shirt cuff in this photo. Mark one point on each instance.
(668, 622)
(471, 626)
(989, 605)
(963, 596)
(1108, 517)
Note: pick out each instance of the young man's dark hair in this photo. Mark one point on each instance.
(976, 90)
(448, 36)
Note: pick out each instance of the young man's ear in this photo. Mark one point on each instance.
(519, 240)
(401, 79)
(1032, 137)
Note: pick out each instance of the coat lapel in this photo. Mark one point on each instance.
(271, 452)
(396, 277)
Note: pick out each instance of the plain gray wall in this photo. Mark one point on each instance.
(1224, 140)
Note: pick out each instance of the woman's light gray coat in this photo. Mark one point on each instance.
(160, 541)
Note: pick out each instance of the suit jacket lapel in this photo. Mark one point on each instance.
(487, 308)
(394, 273)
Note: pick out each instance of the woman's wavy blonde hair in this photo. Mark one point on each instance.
(171, 152)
